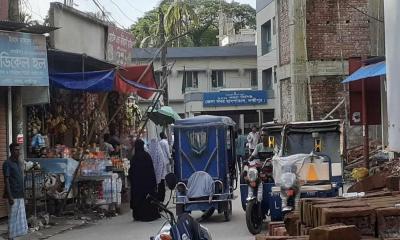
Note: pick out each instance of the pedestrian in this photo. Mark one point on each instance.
(166, 150)
(160, 163)
(107, 147)
(143, 183)
(253, 138)
(240, 146)
(14, 193)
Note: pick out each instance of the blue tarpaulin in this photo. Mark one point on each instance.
(98, 81)
(373, 70)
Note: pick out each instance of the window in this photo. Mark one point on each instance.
(253, 78)
(217, 79)
(266, 37)
(191, 79)
(157, 76)
(275, 77)
(267, 79)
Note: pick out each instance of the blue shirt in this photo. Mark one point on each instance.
(13, 171)
(241, 145)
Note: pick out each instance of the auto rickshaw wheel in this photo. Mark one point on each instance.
(207, 214)
(180, 209)
(253, 220)
(228, 211)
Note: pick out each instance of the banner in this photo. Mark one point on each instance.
(23, 59)
(234, 98)
(119, 46)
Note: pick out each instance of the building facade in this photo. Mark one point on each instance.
(316, 38)
(267, 50)
(215, 80)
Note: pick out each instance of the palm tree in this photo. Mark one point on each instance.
(179, 18)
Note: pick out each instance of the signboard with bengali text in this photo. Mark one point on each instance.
(234, 98)
(23, 59)
(119, 46)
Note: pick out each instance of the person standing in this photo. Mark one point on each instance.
(160, 162)
(143, 183)
(252, 139)
(240, 146)
(14, 193)
(165, 148)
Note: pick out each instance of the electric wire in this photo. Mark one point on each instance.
(123, 13)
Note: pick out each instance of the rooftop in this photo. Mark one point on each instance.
(197, 52)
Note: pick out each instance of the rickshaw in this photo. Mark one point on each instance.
(323, 139)
(205, 164)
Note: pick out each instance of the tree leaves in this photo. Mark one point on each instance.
(198, 17)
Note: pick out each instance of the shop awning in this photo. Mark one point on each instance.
(373, 70)
(69, 62)
(124, 80)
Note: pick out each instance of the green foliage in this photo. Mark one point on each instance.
(199, 18)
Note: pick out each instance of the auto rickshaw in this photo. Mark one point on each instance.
(205, 164)
(323, 177)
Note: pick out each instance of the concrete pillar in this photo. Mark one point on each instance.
(392, 36)
(298, 59)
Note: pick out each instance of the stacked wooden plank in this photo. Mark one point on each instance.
(374, 213)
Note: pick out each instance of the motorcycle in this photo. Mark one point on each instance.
(257, 173)
(183, 228)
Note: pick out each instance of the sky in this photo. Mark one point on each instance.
(125, 12)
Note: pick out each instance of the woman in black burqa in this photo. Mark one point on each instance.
(143, 182)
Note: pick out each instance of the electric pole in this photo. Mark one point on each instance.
(13, 10)
(163, 55)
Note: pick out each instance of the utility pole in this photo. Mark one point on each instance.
(163, 55)
(17, 108)
(13, 10)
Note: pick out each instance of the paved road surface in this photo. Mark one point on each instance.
(123, 228)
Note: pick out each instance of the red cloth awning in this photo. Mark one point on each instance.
(134, 73)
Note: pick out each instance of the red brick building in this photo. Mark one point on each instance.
(316, 39)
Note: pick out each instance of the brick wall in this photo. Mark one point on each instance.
(3, 147)
(284, 43)
(286, 100)
(326, 94)
(324, 30)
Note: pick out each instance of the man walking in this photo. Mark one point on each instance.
(240, 147)
(253, 139)
(167, 161)
(14, 192)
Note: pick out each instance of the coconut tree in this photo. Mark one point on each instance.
(179, 18)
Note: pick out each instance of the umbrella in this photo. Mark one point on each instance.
(164, 116)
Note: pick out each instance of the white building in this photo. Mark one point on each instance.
(219, 81)
(267, 53)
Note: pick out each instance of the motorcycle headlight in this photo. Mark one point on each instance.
(165, 236)
(252, 174)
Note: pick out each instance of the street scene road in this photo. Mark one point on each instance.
(123, 228)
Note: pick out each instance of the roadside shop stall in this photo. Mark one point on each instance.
(65, 136)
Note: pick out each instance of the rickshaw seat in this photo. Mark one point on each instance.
(200, 184)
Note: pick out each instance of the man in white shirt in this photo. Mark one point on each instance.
(165, 149)
(253, 139)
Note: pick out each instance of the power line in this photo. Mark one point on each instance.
(130, 4)
(112, 1)
(29, 7)
(107, 16)
(366, 14)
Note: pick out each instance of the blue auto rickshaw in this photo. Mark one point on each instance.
(325, 139)
(205, 164)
